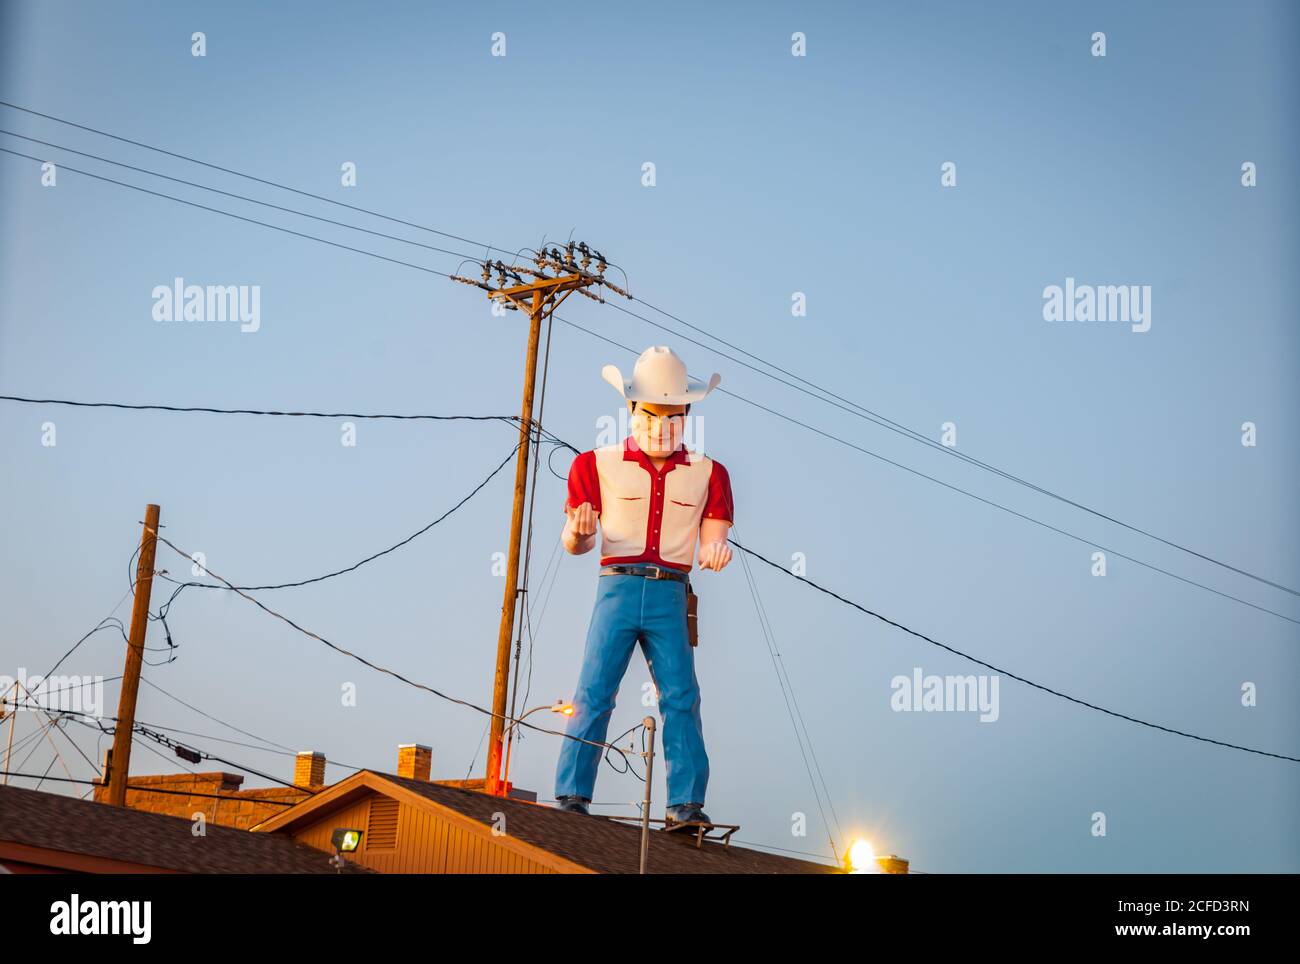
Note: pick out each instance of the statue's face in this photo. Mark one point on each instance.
(658, 429)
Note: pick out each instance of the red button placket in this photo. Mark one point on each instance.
(657, 486)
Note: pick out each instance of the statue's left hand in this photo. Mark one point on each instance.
(715, 555)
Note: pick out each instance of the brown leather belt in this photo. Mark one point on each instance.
(647, 570)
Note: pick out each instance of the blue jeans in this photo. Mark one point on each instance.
(653, 611)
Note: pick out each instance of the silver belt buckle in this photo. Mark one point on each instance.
(656, 573)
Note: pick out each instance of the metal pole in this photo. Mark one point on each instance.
(649, 722)
(13, 722)
(134, 657)
(493, 783)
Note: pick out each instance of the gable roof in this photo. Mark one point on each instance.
(61, 830)
(592, 843)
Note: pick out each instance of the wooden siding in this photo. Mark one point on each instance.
(426, 844)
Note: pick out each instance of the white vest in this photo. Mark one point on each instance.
(628, 500)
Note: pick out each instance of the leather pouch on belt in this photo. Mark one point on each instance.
(692, 617)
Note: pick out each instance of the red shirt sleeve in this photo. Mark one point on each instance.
(720, 504)
(584, 482)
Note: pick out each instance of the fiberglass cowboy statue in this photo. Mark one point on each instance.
(654, 500)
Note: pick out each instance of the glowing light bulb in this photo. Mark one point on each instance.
(862, 859)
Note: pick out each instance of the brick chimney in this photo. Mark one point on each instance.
(414, 761)
(309, 769)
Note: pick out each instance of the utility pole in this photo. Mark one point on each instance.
(649, 755)
(134, 657)
(558, 273)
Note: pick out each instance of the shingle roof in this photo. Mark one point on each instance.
(604, 845)
(58, 822)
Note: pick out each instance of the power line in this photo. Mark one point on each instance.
(774, 565)
(214, 719)
(628, 768)
(534, 632)
(893, 426)
(958, 489)
(275, 184)
(108, 622)
(23, 741)
(34, 695)
(352, 568)
(787, 850)
(826, 396)
(181, 586)
(259, 747)
(508, 419)
(163, 740)
(240, 197)
(382, 669)
(237, 217)
(1020, 679)
(67, 736)
(514, 419)
(787, 694)
(282, 751)
(793, 421)
(781, 415)
(551, 438)
(49, 722)
(77, 717)
(1003, 672)
(170, 761)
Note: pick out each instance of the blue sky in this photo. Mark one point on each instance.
(774, 174)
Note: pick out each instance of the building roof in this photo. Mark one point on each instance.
(590, 842)
(57, 830)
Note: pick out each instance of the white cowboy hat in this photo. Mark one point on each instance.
(659, 376)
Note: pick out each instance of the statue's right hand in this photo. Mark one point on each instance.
(582, 520)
